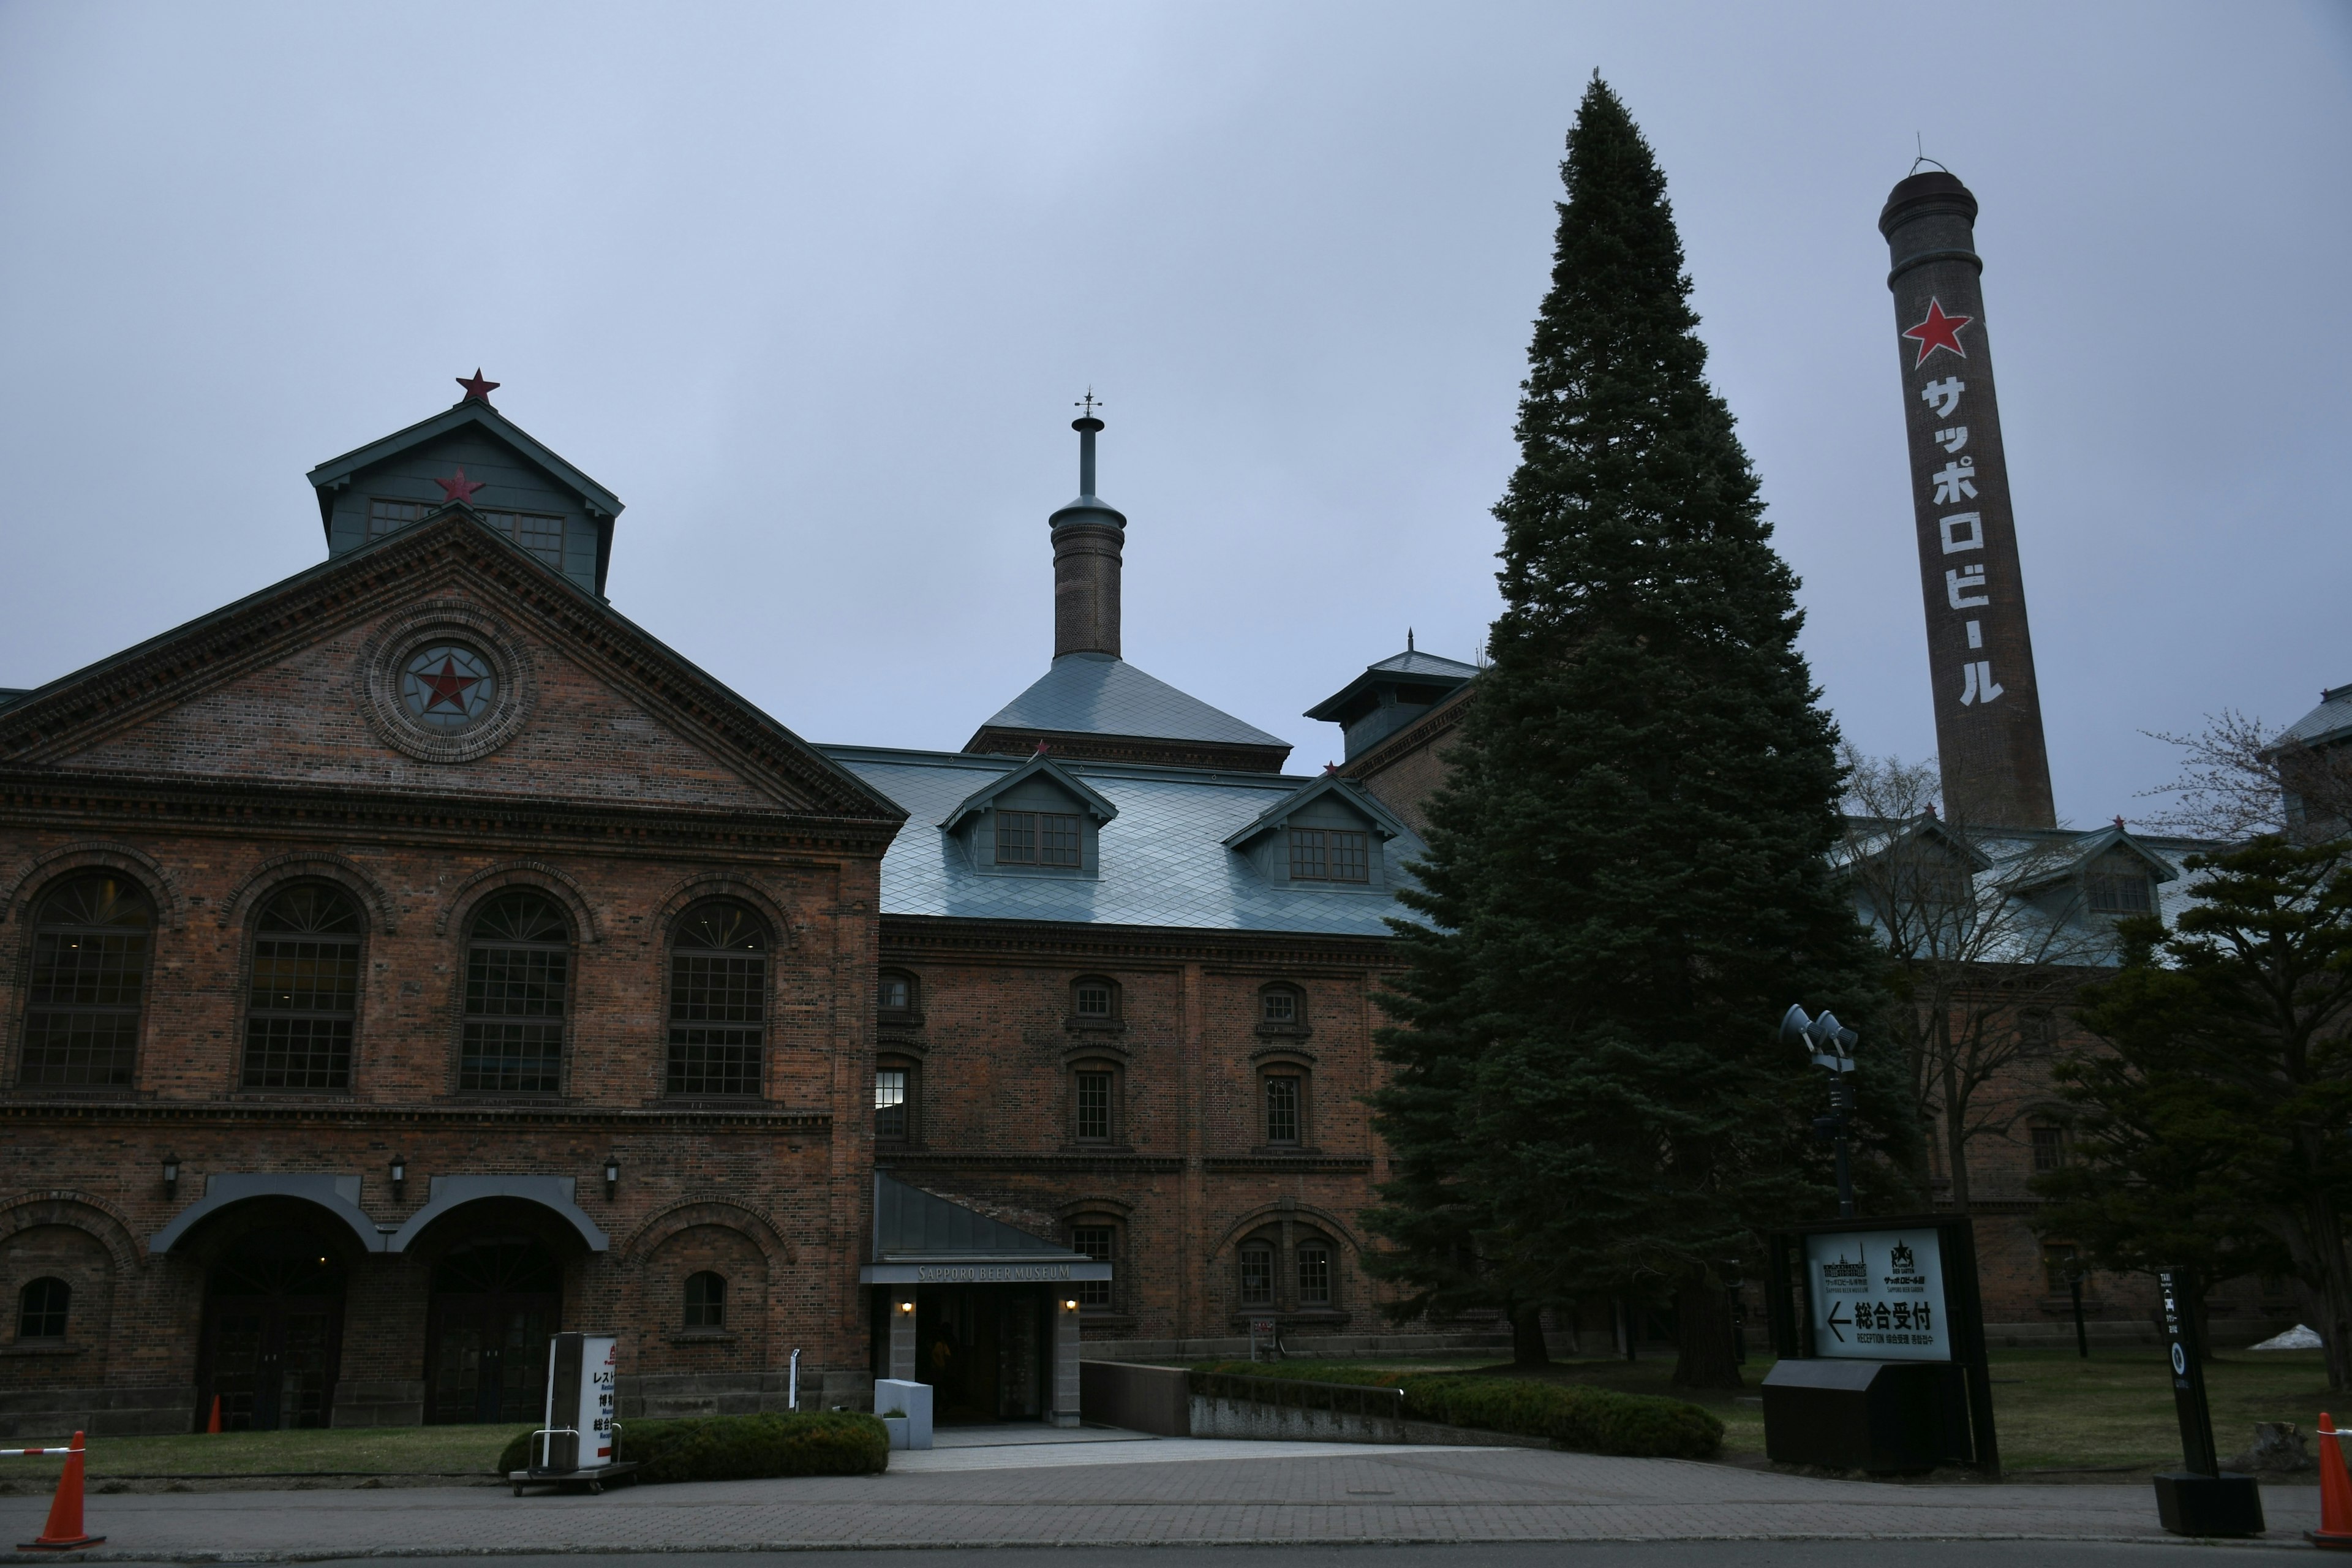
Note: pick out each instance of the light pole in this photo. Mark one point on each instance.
(1830, 1044)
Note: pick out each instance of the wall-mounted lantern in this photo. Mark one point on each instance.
(905, 1306)
(170, 1175)
(399, 1174)
(1070, 1304)
(612, 1175)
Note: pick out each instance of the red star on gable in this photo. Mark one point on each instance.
(461, 488)
(477, 389)
(447, 686)
(1937, 331)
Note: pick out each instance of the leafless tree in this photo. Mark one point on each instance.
(1985, 938)
(2240, 778)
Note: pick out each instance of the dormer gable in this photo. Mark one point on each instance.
(1326, 836)
(2106, 873)
(471, 453)
(1913, 880)
(1040, 819)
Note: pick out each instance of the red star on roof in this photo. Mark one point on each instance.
(461, 488)
(447, 686)
(477, 389)
(1937, 331)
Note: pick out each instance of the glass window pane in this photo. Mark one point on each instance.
(1350, 859)
(86, 986)
(1016, 839)
(1094, 1001)
(517, 970)
(1058, 840)
(1314, 1276)
(1258, 1275)
(1094, 1105)
(1307, 864)
(1282, 1109)
(717, 1002)
(1280, 1007)
(890, 1102)
(302, 998)
(1095, 1241)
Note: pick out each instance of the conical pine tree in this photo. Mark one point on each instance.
(1628, 870)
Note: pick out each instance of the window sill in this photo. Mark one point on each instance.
(487, 1097)
(1284, 1031)
(311, 1096)
(711, 1101)
(889, 1020)
(37, 1348)
(1278, 1151)
(1098, 1148)
(705, 1337)
(1076, 1026)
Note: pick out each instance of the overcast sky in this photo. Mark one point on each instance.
(813, 287)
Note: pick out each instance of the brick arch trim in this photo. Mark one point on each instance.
(277, 871)
(33, 875)
(77, 1211)
(1323, 1220)
(520, 874)
(687, 1213)
(783, 923)
(1096, 1203)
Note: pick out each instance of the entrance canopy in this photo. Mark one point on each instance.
(921, 1238)
(338, 1195)
(446, 1193)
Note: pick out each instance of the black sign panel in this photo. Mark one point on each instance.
(2185, 1346)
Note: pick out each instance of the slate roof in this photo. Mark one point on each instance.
(910, 1222)
(1163, 860)
(2332, 720)
(1411, 664)
(1095, 694)
(473, 411)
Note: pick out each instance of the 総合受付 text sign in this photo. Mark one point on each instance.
(1878, 1295)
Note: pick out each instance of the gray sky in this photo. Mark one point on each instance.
(812, 289)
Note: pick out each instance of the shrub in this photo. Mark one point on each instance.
(1582, 1419)
(743, 1448)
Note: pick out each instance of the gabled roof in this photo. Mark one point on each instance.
(1410, 666)
(1096, 806)
(1879, 837)
(472, 411)
(2090, 847)
(910, 1222)
(1095, 694)
(2331, 721)
(1346, 789)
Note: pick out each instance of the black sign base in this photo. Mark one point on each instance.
(2209, 1506)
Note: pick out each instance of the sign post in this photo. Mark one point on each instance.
(2200, 1500)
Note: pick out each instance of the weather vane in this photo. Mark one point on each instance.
(1090, 403)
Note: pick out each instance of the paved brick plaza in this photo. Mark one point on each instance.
(1158, 1492)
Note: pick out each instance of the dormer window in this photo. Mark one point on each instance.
(1036, 838)
(2119, 885)
(535, 531)
(1329, 855)
(387, 516)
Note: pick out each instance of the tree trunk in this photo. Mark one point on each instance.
(1709, 1358)
(2335, 1280)
(1528, 1347)
(1956, 1118)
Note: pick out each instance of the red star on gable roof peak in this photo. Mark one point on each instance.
(1937, 331)
(477, 389)
(461, 488)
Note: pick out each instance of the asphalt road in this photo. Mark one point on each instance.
(1548, 1554)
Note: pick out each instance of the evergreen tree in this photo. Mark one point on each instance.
(1628, 877)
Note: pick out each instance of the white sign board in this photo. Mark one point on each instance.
(1878, 1295)
(598, 1356)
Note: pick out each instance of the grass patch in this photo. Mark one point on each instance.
(743, 1448)
(364, 1450)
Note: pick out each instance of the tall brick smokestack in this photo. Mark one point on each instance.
(1086, 539)
(1980, 654)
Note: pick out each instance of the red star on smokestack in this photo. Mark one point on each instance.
(1937, 331)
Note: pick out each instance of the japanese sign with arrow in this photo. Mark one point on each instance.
(1878, 1295)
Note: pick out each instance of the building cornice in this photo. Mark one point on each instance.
(908, 939)
(350, 1114)
(954, 1160)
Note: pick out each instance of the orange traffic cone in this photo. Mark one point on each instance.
(64, 1532)
(2335, 1491)
(214, 1425)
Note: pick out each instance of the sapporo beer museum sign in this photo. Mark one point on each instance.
(1878, 1295)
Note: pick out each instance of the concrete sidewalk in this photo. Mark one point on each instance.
(1135, 1491)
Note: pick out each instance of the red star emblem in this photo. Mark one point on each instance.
(447, 684)
(1937, 331)
(477, 389)
(461, 488)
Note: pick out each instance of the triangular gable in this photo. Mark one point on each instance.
(1040, 765)
(1924, 828)
(472, 411)
(1346, 789)
(447, 557)
(911, 1224)
(2090, 847)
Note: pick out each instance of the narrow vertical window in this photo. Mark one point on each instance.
(1314, 1275)
(1282, 1109)
(303, 997)
(890, 1104)
(517, 978)
(1096, 1242)
(90, 940)
(718, 1001)
(1094, 1107)
(41, 1309)
(1258, 1275)
(2049, 1147)
(706, 1300)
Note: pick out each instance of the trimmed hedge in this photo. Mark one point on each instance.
(1582, 1419)
(743, 1448)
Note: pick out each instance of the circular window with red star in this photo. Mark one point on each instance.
(447, 688)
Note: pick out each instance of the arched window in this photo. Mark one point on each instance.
(305, 990)
(718, 1001)
(518, 979)
(897, 996)
(706, 1300)
(41, 1309)
(90, 942)
(1098, 1103)
(1281, 1099)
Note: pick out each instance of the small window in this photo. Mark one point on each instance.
(388, 516)
(1036, 838)
(2049, 1147)
(1314, 1275)
(540, 534)
(1285, 1102)
(41, 1309)
(2061, 1260)
(1094, 1107)
(892, 1113)
(718, 1001)
(1329, 855)
(1278, 1005)
(1094, 1001)
(895, 993)
(2037, 1033)
(1096, 1240)
(706, 1300)
(1258, 1275)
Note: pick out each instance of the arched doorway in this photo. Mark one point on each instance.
(495, 1304)
(273, 1333)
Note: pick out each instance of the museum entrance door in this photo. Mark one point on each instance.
(272, 1334)
(495, 1305)
(983, 1349)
